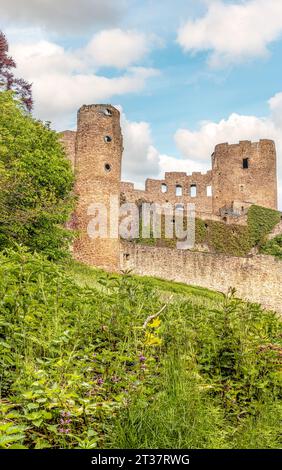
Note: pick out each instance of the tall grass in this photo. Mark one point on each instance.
(180, 416)
(81, 367)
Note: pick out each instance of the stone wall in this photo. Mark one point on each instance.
(68, 139)
(256, 278)
(162, 191)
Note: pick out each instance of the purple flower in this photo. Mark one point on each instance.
(67, 431)
(61, 430)
(65, 421)
(142, 358)
(100, 381)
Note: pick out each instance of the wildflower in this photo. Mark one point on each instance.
(100, 381)
(142, 358)
(61, 430)
(65, 421)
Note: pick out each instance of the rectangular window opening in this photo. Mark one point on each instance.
(209, 191)
(178, 190)
(245, 163)
(193, 190)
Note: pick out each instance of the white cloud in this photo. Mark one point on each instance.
(117, 48)
(69, 16)
(168, 163)
(233, 32)
(198, 145)
(140, 158)
(64, 79)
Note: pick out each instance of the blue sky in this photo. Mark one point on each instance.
(186, 74)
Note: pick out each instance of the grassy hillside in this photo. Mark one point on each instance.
(90, 360)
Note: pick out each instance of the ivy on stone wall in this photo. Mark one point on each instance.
(273, 247)
(261, 222)
(233, 240)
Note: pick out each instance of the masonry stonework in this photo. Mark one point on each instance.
(98, 173)
(68, 139)
(256, 278)
(241, 175)
(245, 174)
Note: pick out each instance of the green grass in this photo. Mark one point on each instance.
(78, 369)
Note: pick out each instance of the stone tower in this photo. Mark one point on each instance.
(98, 173)
(244, 174)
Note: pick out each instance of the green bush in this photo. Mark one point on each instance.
(273, 247)
(260, 222)
(35, 183)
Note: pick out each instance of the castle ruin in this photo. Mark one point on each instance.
(241, 175)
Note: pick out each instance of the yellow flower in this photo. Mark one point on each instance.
(152, 340)
(155, 323)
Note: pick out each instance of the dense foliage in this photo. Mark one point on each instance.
(80, 369)
(236, 240)
(260, 223)
(8, 82)
(273, 247)
(35, 182)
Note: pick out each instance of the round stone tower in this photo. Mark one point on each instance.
(98, 173)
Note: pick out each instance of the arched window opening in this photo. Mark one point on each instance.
(193, 190)
(179, 207)
(178, 190)
(107, 112)
(245, 163)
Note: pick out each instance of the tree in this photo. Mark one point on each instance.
(8, 82)
(36, 182)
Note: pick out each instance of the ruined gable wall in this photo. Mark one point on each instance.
(153, 190)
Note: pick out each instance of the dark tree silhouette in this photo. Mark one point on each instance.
(8, 81)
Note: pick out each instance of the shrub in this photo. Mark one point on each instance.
(261, 221)
(273, 247)
(35, 183)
